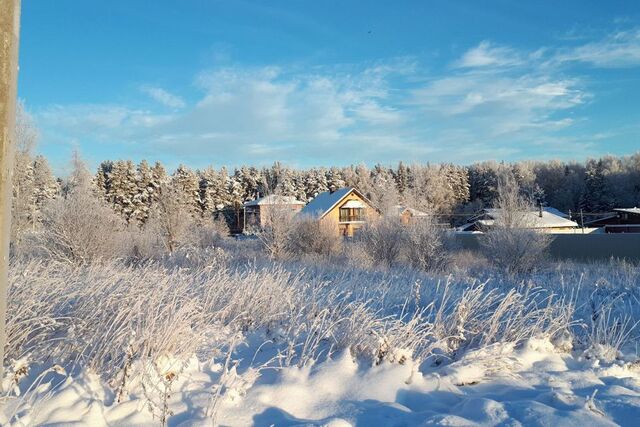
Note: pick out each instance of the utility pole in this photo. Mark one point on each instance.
(9, 38)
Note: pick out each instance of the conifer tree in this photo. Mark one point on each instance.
(187, 188)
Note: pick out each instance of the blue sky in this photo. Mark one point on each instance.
(331, 82)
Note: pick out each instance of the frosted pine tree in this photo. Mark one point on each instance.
(597, 195)
(315, 183)
(335, 179)
(402, 178)
(280, 180)
(160, 176)
(483, 182)
(296, 181)
(213, 192)
(147, 191)
(251, 182)
(101, 181)
(122, 188)
(458, 182)
(187, 186)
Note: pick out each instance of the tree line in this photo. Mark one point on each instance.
(453, 191)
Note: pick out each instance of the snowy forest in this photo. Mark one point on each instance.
(594, 186)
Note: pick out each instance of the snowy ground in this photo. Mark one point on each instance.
(531, 385)
(273, 345)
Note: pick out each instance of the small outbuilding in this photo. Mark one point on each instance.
(347, 208)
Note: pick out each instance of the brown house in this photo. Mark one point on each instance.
(408, 215)
(256, 212)
(621, 220)
(347, 208)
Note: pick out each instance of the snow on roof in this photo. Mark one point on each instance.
(635, 211)
(534, 220)
(354, 204)
(274, 199)
(399, 209)
(324, 202)
(556, 212)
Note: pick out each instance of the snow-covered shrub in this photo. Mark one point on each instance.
(79, 229)
(511, 244)
(308, 236)
(212, 233)
(381, 241)
(170, 220)
(426, 245)
(516, 250)
(275, 232)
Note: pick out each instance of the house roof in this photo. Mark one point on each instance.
(556, 212)
(324, 202)
(275, 199)
(399, 209)
(635, 211)
(532, 218)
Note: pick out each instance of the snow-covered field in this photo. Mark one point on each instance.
(264, 343)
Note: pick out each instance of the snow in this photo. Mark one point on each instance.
(533, 384)
(549, 219)
(275, 199)
(555, 348)
(323, 202)
(635, 211)
(399, 209)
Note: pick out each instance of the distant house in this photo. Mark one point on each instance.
(545, 220)
(408, 215)
(347, 208)
(256, 212)
(620, 220)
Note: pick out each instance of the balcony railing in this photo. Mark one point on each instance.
(352, 215)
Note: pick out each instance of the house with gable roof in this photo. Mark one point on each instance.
(256, 212)
(347, 208)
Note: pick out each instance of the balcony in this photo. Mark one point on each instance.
(352, 215)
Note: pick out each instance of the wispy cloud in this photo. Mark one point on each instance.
(163, 97)
(621, 49)
(487, 54)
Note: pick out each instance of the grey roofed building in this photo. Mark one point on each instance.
(546, 219)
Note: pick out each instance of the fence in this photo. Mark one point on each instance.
(579, 247)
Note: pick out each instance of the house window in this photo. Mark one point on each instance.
(351, 214)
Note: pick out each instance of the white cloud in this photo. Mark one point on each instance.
(488, 55)
(618, 50)
(504, 104)
(163, 97)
